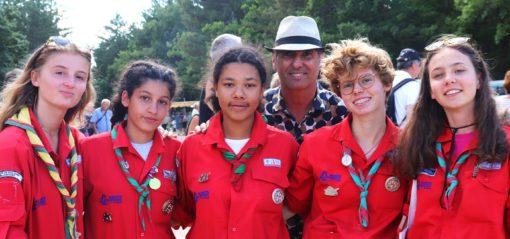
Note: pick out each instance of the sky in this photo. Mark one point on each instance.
(87, 19)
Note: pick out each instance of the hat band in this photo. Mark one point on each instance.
(298, 40)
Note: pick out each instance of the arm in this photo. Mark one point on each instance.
(299, 193)
(193, 124)
(184, 211)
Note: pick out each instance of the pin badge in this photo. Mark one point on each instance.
(278, 196)
(204, 177)
(154, 183)
(107, 217)
(125, 164)
(77, 235)
(331, 191)
(392, 184)
(346, 160)
(168, 207)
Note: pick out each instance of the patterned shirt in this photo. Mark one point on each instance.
(328, 109)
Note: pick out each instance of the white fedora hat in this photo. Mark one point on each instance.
(297, 34)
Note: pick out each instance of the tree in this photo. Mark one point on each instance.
(14, 46)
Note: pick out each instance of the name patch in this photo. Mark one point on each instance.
(11, 174)
(429, 172)
(424, 185)
(39, 203)
(330, 177)
(170, 174)
(276, 163)
(200, 195)
(490, 166)
(105, 200)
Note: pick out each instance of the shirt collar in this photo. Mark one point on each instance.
(446, 139)
(123, 141)
(319, 102)
(63, 141)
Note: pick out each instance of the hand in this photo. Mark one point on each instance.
(166, 133)
(200, 129)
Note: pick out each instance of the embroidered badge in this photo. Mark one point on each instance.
(276, 163)
(105, 200)
(331, 191)
(392, 184)
(170, 174)
(278, 196)
(155, 183)
(203, 177)
(39, 203)
(168, 207)
(125, 164)
(330, 177)
(490, 166)
(107, 217)
(429, 172)
(200, 195)
(424, 185)
(11, 174)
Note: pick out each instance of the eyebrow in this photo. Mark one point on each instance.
(63, 67)
(147, 92)
(454, 64)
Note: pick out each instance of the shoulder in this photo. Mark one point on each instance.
(322, 133)
(274, 133)
(172, 143)
(13, 138)
(96, 141)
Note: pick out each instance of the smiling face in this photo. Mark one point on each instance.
(61, 80)
(453, 80)
(368, 94)
(297, 69)
(239, 91)
(147, 108)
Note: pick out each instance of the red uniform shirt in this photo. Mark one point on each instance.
(220, 211)
(480, 204)
(34, 208)
(111, 202)
(319, 167)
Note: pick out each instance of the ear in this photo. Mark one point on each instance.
(478, 79)
(387, 88)
(125, 99)
(34, 78)
(273, 60)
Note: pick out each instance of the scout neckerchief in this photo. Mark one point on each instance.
(22, 120)
(450, 180)
(362, 183)
(142, 190)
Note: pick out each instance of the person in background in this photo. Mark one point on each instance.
(233, 176)
(456, 149)
(11, 76)
(503, 103)
(194, 119)
(130, 172)
(100, 119)
(41, 187)
(344, 179)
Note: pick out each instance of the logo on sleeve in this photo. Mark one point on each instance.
(170, 174)
(490, 166)
(330, 177)
(39, 203)
(424, 185)
(429, 172)
(275, 163)
(11, 174)
(105, 200)
(200, 195)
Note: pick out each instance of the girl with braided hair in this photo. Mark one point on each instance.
(41, 171)
(130, 172)
(234, 176)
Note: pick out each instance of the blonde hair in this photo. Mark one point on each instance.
(22, 93)
(349, 54)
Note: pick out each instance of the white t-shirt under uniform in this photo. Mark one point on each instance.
(406, 95)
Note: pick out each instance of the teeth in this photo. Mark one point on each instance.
(361, 101)
(297, 74)
(452, 92)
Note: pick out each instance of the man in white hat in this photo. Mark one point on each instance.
(300, 105)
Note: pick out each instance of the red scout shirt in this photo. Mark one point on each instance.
(480, 207)
(336, 216)
(111, 202)
(221, 212)
(34, 208)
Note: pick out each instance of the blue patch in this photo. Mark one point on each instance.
(105, 200)
(330, 177)
(39, 203)
(200, 195)
(429, 172)
(424, 185)
(490, 166)
(170, 174)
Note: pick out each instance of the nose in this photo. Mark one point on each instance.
(239, 92)
(297, 62)
(153, 107)
(357, 88)
(69, 81)
(449, 78)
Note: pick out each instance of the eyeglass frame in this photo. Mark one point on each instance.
(447, 42)
(340, 85)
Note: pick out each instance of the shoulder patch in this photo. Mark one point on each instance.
(11, 174)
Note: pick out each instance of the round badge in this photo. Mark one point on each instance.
(154, 183)
(278, 196)
(392, 184)
(168, 207)
(346, 160)
(125, 164)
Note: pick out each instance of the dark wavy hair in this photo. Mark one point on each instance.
(416, 148)
(135, 75)
(243, 54)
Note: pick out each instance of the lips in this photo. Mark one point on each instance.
(452, 92)
(150, 120)
(361, 101)
(67, 93)
(238, 106)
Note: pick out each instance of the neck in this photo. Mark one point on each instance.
(461, 118)
(138, 136)
(49, 118)
(368, 130)
(237, 129)
(299, 102)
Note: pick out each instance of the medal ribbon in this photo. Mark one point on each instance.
(142, 190)
(238, 165)
(22, 120)
(363, 186)
(451, 179)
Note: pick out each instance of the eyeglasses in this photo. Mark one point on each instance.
(447, 42)
(365, 81)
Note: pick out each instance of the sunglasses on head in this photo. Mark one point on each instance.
(447, 42)
(57, 40)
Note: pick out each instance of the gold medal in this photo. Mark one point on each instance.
(154, 183)
(392, 184)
